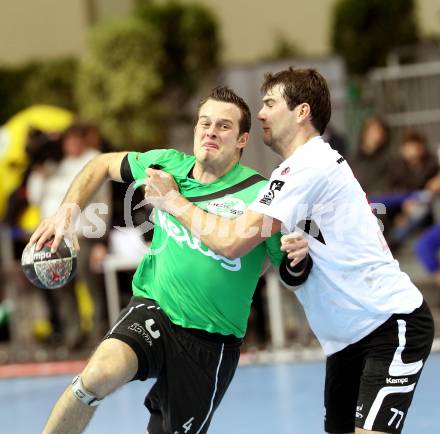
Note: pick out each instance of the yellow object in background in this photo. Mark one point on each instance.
(29, 219)
(13, 137)
(85, 306)
(42, 329)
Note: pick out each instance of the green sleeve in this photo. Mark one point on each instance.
(139, 161)
(273, 245)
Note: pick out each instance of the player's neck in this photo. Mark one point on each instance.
(301, 138)
(207, 173)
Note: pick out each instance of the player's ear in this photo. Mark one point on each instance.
(242, 140)
(304, 111)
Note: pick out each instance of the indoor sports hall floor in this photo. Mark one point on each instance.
(263, 399)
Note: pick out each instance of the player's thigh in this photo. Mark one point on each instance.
(113, 364)
(131, 350)
(342, 380)
(363, 431)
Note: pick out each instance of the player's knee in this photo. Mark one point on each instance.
(112, 365)
(100, 380)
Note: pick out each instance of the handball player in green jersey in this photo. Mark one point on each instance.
(188, 315)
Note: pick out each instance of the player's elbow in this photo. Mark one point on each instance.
(231, 250)
(229, 253)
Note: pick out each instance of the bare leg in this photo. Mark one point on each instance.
(113, 364)
(364, 431)
(68, 409)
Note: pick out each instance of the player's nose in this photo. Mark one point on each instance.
(261, 115)
(211, 132)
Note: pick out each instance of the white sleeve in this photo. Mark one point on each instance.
(291, 198)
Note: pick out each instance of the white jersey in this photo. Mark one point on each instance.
(355, 284)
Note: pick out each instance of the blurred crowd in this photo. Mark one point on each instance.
(405, 181)
(72, 318)
(400, 176)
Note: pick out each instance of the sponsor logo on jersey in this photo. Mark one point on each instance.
(229, 207)
(397, 380)
(181, 235)
(285, 171)
(137, 328)
(275, 185)
(359, 408)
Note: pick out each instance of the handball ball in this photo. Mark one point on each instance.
(49, 270)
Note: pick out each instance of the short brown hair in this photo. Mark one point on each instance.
(226, 94)
(411, 135)
(303, 86)
(78, 129)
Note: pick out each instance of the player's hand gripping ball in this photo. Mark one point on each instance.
(49, 270)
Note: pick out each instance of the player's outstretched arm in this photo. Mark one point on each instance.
(83, 187)
(230, 238)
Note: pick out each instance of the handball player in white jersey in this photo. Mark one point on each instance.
(370, 319)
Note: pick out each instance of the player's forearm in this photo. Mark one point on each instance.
(231, 238)
(88, 181)
(214, 231)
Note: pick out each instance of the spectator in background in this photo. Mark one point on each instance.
(95, 139)
(427, 248)
(428, 245)
(415, 164)
(46, 188)
(370, 163)
(408, 206)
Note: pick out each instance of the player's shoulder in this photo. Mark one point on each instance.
(163, 155)
(253, 175)
(167, 159)
(316, 157)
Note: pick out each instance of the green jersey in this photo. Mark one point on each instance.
(196, 287)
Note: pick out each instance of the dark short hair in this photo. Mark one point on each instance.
(412, 135)
(226, 94)
(76, 129)
(303, 86)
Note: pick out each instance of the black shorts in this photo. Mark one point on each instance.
(370, 384)
(192, 371)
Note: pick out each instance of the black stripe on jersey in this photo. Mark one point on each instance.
(253, 179)
(310, 227)
(126, 174)
(297, 275)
